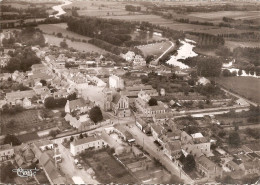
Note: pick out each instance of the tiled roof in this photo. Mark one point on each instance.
(77, 103)
(174, 145)
(20, 94)
(85, 140)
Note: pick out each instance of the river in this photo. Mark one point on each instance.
(185, 51)
(60, 9)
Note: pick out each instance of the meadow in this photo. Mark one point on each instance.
(61, 28)
(99, 9)
(245, 86)
(217, 16)
(80, 46)
(155, 48)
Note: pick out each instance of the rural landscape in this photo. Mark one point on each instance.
(129, 92)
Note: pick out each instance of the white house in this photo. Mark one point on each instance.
(129, 56)
(6, 152)
(91, 142)
(116, 82)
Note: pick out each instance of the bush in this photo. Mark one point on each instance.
(152, 102)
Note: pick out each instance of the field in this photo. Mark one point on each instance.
(80, 46)
(98, 9)
(24, 121)
(217, 16)
(155, 49)
(234, 44)
(109, 170)
(61, 28)
(244, 86)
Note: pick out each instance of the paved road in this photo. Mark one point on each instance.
(70, 169)
(172, 45)
(148, 143)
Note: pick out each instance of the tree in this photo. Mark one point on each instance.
(59, 35)
(64, 44)
(71, 138)
(12, 139)
(152, 102)
(72, 96)
(189, 163)
(44, 83)
(80, 136)
(95, 114)
(53, 133)
(234, 138)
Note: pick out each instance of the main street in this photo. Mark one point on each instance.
(149, 146)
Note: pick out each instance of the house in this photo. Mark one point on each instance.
(81, 122)
(129, 56)
(232, 165)
(116, 82)
(120, 105)
(48, 160)
(44, 144)
(91, 142)
(208, 168)
(173, 149)
(141, 124)
(80, 105)
(142, 105)
(157, 130)
(133, 91)
(162, 118)
(6, 152)
(22, 98)
(139, 61)
(38, 68)
(195, 144)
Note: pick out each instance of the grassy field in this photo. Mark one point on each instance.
(61, 28)
(217, 16)
(80, 46)
(101, 8)
(109, 170)
(244, 86)
(155, 49)
(234, 44)
(23, 121)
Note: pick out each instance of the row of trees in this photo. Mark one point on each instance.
(132, 8)
(208, 41)
(183, 20)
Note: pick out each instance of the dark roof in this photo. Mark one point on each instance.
(77, 103)
(116, 98)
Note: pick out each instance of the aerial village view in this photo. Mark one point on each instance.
(129, 92)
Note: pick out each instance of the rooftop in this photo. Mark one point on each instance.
(85, 140)
(5, 147)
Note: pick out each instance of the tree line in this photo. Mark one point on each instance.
(208, 41)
